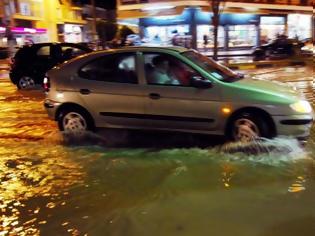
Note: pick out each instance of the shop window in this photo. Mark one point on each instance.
(163, 35)
(299, 26)
(205, 37)
(242, 36)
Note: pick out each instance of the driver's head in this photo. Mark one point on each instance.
(161, 62)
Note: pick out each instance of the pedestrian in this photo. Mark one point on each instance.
(205, 41)
(10, 39)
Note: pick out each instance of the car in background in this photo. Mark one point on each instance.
(281, 47)
(31, 62)
(308, 47)
(127, 88)
(4, 52)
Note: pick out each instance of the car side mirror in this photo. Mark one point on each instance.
(199, 82)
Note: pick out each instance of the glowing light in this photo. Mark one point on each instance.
(59, 95)
(22, 30)
(226, 110)
(157, 7)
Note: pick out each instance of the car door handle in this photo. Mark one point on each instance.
(154, 96)
(85, 91)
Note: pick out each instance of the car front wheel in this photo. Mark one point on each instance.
(247, 128)
(25, 82)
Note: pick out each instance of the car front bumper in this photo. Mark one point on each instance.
(298, 126)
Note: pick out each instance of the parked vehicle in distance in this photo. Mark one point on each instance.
(174, 89)
(308, 47)
(31, 62)
(281, 47)
(4, 52)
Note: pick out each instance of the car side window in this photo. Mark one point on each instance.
(164, 69)
(43, 51)
(70, 52)
(119, 68)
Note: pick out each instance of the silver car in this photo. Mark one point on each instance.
(173, 89)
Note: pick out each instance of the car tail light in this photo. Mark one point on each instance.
(46, 84)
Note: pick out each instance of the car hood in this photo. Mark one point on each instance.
(271, 88)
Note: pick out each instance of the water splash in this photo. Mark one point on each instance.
(266, 151)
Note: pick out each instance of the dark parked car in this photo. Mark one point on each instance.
(31, 62)
(281, 47)
(4, 53)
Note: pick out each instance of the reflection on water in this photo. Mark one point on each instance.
(50, 187)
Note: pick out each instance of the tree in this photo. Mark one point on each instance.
(216, 10)
(106, 31)
(124, 32)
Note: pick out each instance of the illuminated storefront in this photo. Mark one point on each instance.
(207, 31)
(300, 26)
(271, 26)
(72, 33)
(244, 23)
(235, 30)
(24, 36)
(42, 14)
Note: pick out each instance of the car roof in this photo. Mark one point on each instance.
(149, 48)
(140, 48)
(98, 53)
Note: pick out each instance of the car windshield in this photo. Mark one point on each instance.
(217, 70)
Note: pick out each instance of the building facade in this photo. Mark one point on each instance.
(243, 23)
(42, 20)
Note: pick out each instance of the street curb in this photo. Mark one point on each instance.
(269, 64)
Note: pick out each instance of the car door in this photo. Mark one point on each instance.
(109, 88)
(43, 61)
(178, 105)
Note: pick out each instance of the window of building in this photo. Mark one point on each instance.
(299, 26)
(205, 33)
(242, 36)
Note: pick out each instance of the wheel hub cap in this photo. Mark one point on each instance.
(245, 130)
(26, 82)
(74, 122)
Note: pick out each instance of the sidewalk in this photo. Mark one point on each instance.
(232, 53)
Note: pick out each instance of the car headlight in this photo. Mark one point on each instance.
(302, 107)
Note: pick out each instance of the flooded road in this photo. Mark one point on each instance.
(52, 187)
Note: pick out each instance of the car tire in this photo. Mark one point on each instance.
(75, 120)
(248, 127)
(25, 82)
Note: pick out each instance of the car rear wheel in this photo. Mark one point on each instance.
(25, 82)
(74, 121)
(247, 127)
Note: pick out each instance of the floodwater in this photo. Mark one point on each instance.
(50, 186)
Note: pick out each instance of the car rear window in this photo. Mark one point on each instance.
(24, 53)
